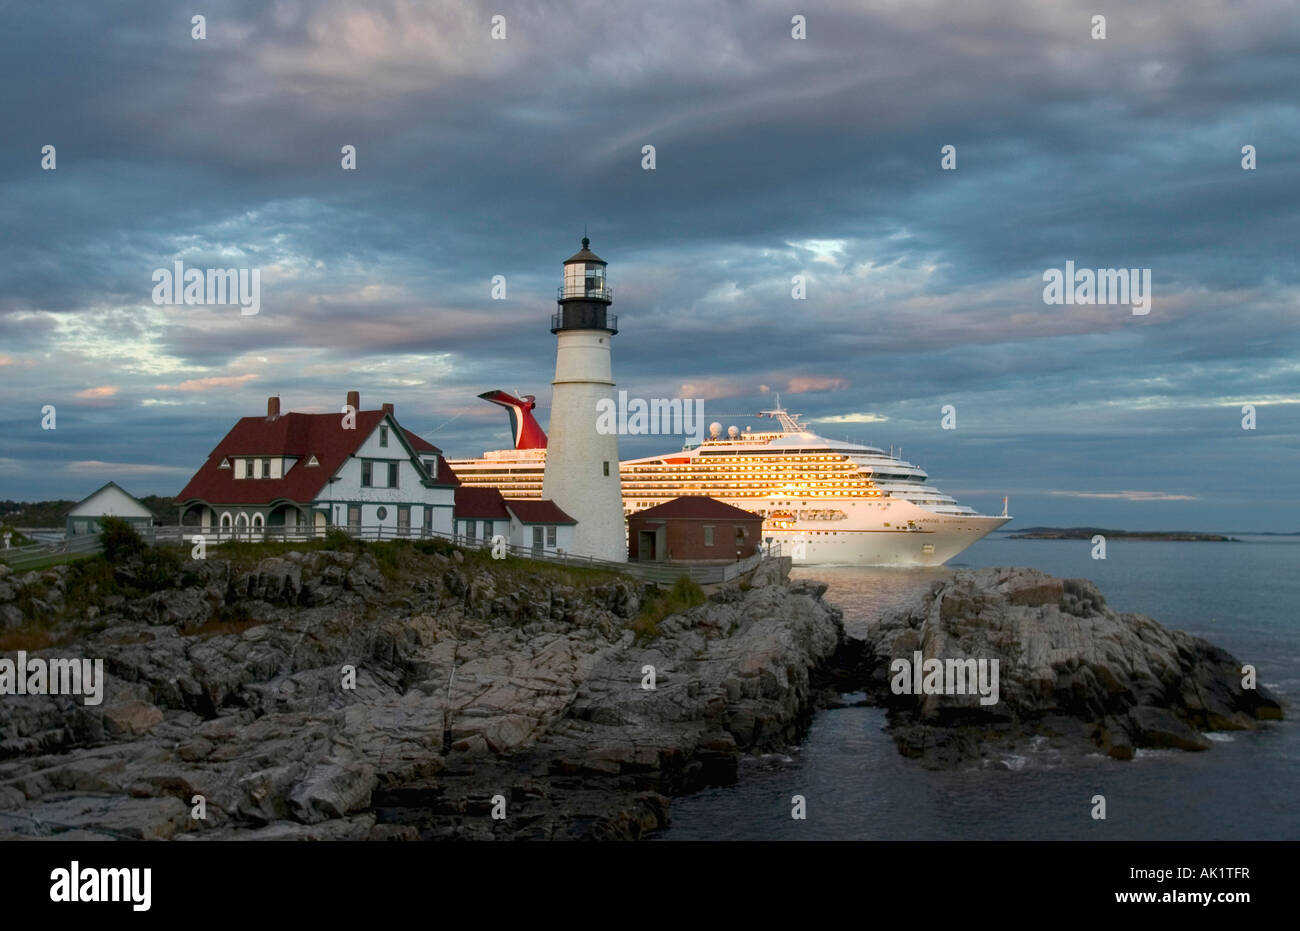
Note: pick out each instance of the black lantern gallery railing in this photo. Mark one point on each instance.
(582, 290)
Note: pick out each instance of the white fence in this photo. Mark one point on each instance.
(657, 572)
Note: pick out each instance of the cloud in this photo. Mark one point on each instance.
(775, 158)
(853, 418)
(110, 469)
(103, 391)
(813, 383)
(210, 383)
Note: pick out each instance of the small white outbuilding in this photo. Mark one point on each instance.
(109, 501)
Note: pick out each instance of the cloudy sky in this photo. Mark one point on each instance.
(775, 157)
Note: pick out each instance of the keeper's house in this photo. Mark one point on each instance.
(321, 470)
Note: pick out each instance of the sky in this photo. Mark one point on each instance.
(775, 157)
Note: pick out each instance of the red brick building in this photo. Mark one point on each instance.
(693, 528)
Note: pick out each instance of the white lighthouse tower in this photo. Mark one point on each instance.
(581, 463)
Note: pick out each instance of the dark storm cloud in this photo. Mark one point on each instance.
(775, 158)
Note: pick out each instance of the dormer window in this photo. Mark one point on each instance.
(383, 435)
(312, 461)
(225, 464)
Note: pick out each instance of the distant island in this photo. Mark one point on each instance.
(1087, 533)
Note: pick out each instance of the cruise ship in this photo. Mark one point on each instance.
(824, 501)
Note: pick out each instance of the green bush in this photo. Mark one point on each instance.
(162, 567)
(435, 545)
(16, 537)
(119, 540)
(336, 538)
(683, 596)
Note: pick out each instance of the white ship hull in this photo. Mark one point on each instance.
(882, 547)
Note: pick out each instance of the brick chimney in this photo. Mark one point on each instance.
(354, 398)
(272, 408)
(388, 408)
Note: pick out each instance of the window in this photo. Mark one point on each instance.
(550, 535)
(392, 474)
(708, 536)
(607, 467)
(241, 468)
(487, 530)
(383, 435)
(428, 517)
(430, 469)
(367, 479)
(471, 529)
(381, 513)
(266, 468)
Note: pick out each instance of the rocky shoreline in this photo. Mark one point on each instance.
(424, 694)
(475, 683)
(1073, 673)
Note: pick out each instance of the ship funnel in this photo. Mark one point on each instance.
(528, 433)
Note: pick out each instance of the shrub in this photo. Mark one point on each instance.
(336, 538)
(435, 545)
(16, 536)
(87, 583)
(119, 540)
(683, 596)
(161, 567)
(391, 557)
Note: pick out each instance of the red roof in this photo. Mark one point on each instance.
(445, 474)
(419, 443)
(697, 507)
(292, 434)
(538, 512)
(484, 503)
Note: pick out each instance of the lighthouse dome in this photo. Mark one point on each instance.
(585, 255)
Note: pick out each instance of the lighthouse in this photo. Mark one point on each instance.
(581, 462)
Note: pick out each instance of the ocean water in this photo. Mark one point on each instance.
(1242, 596)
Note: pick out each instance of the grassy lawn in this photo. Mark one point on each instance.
(56, 560)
